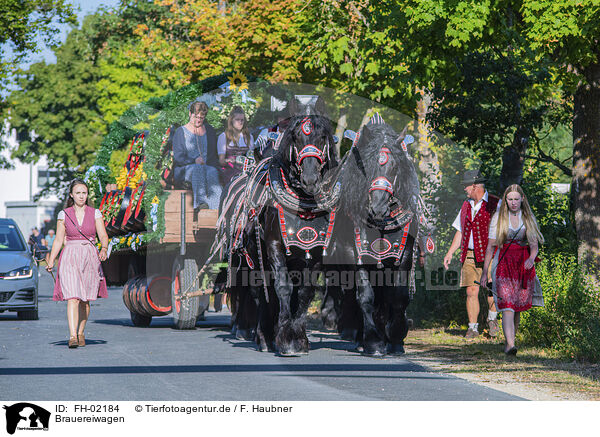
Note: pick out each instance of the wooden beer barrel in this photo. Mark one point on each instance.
(148, 296)
(130, 294)
(155, 298)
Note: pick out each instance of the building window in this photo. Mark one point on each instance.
(46, 177)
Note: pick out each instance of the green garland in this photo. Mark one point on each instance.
(155, 115)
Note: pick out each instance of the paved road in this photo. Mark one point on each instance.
(122, 362)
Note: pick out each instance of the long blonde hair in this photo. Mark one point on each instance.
(531, 227)
(230, 131)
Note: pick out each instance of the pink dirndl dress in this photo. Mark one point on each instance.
(79, 266)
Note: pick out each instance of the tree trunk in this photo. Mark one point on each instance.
(513, 159)
(342, 124)
(586, 169)
(428, 162)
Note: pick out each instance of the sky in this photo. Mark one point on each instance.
(85, 7)
(82, 8)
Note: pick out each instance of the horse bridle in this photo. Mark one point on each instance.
(382, 183)
(310, 151)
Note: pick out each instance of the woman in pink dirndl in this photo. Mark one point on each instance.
(79, 279)
(513, 244)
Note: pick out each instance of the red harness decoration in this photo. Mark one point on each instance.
(380, 248)
(308, 151)
(384, 155)
(311, 231)
(382, 183)
(287, 186)
(307, 126)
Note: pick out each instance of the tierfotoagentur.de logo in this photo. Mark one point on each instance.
(26, 417)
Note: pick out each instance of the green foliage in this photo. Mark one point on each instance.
(157, 114)
(494, 96)
(58, 102)
(570, 320)
(23, 24)
(349, 46)
(552, 211)
(117, 159)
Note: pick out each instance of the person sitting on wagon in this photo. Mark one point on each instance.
(195, 158)
(235, 141)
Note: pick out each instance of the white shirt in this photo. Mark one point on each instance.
(494, 225)
(61, 215)
(475, 207)
(222, 149)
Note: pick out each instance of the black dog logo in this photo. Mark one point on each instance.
(27, 416)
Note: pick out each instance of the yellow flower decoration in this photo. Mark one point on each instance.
(238, 82)
(155, 199)
(122, 240)
(122, 178)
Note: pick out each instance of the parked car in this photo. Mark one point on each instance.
(18, 273)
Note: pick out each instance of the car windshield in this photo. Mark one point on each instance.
(10, 238)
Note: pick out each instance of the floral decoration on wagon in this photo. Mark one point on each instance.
(141, 181)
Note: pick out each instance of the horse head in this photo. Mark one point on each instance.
(307, 150)
(382, 179)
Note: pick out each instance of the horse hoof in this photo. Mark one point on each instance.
(244, 334)
(397, 349)
(376, 351)
(288, 354)
(348, 334)
(374, 354)
(329, 326)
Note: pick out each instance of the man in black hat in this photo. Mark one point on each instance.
(472, 226)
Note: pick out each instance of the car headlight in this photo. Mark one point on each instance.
(20, 273)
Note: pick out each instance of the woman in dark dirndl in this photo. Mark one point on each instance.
(513, 245)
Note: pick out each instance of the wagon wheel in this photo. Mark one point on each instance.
(185, 313)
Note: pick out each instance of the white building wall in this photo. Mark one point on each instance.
(19, 185)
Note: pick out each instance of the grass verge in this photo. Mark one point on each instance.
(483, 360)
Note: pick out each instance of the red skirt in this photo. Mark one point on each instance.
(514, 284)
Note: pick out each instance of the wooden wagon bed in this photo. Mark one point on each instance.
(201, 230)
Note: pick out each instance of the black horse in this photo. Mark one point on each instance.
(375, 240)
(274, 225)
(294, 225)
(231, 279)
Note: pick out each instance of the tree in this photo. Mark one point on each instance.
(58, 103)
(69, 105)
(569, 33)
(502, 102)
(22, 23)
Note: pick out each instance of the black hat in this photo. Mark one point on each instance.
(473, 177)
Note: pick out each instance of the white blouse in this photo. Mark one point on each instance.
(494, 225)
(61, 215)
(222, 147)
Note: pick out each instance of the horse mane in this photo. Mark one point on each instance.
(363, 162)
